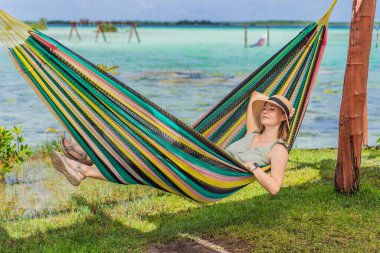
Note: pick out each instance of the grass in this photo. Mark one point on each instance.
(45, 214)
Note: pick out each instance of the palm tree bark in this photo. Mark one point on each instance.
(354, 97)
(365, 125)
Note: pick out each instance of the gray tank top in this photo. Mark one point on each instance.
(241, 150)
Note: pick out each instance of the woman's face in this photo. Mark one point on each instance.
(272, 115)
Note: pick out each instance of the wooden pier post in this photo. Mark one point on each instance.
(245, 36)
(133, 29)
(73, 26)
(100, 30)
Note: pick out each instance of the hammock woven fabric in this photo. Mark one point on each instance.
(134, 141)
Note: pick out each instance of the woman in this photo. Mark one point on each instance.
(265, 142)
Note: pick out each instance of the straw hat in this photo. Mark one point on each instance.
(278, 100)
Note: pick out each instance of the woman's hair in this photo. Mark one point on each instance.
(283, 131)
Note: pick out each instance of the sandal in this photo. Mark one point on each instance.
(77, 149)
(72, 174)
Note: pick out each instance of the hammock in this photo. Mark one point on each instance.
(134, 141)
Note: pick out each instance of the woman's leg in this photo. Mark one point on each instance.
(75, 152)
(89, 171)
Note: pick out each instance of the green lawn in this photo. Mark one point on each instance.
(46, 214)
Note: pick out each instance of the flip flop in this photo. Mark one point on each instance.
(72, 147)
(72, 175)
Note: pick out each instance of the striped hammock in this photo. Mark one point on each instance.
(134, 141)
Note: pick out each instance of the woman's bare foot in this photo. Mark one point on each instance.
(75, 152)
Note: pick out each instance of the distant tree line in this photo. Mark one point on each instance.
(41, 24)
(44, 22)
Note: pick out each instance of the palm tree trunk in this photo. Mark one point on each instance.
(354, 97)
(365, 125)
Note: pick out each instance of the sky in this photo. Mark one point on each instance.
(175, 10)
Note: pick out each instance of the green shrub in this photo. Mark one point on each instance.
(12, 149)
(108, 27)
(39, 25)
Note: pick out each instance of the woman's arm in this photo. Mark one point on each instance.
(252, 125)
(279, 159)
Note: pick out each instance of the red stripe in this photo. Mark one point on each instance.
(51, 46)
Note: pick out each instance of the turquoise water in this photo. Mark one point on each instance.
(188, 70)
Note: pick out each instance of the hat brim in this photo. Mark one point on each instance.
(257, 108)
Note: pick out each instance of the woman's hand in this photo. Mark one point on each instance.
(253, 124)
(248, 165)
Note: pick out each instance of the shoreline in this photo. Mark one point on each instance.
(193, 23)
(212, 25)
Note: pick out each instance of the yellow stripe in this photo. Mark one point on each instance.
(148, 118)
(280, 75)
(211, 128)
(300, 61)
(40, 82)
(136, 144)
(184, 165)
(325, 19)
(152, 121)
(302, 96)
(228, 133)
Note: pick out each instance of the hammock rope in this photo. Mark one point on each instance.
(134, 141)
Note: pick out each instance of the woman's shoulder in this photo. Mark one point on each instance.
(280, 145)
(279, 150)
